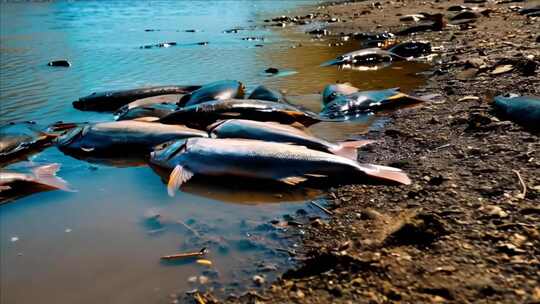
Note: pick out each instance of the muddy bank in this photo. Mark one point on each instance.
(467, 230)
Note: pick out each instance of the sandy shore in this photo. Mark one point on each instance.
(467, 229)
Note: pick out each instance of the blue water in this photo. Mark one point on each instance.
(101, 244)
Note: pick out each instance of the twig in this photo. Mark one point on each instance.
(189, 228)
(522, 183)
(185, 255)
(322, 208)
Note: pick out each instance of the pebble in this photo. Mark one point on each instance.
(258, 280)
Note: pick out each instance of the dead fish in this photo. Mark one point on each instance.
(112, 100)
(15, 184)
(121, 137)
(276, 132)
(370, 56)
(219, 90)
(263, 93)
(262, 160)
(332, 91)
(367, 101)
(412, 49)
(206, 113)
(156, 106)
(18, 140)
(433, 22)
(524, 110)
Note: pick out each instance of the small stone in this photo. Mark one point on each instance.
(14, 239)
(502, 69)
(258, 280)
(192, 279)
(203, 280)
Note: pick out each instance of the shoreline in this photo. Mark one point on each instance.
(466, 230)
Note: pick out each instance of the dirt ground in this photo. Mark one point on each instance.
(467, 229)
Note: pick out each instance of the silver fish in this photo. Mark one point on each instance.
(262, 160)
(276, 132)
(118, 137)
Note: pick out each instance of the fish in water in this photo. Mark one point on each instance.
(276, 132)
(332, 91)
(524, 110)
(262, 160)
(112, 100)
(150, 101)
(219, 90)
(206, 113)
(366, 102)
(14, 184)
(412, 49)
(127, 137)
(18, 140)
(364, 57)
(263, 93)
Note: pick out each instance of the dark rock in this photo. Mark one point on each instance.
(59, 63)
(271, 71)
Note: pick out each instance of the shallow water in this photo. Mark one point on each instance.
(102, 243)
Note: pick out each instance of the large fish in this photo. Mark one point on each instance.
(262, 160)
(364, 57)
(17, 140)
(219, 90)
(411, 49)
(332, 91)
(112, 100)
(122, 137)
(367, 102)
(14, 184)
(524, 110)
(204, 114)
(276, 132)
(155, 106)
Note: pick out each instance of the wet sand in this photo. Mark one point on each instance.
(466, 230)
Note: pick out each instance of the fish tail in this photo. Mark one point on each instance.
(385, 173)
(46, 175)
(349, 149)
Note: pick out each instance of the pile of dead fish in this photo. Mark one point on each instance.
(215, 130)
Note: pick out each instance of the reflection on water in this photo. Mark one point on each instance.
(99, 244)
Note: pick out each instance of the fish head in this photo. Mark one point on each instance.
(72, 135)
(164, 153)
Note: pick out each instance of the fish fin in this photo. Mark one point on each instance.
(87, 149)
(386, 173)
(299, 126)
(293, 180)
(216, 124)
(235, 114)
(178, 176)
(349, 149)
(315, 175)
(46, 175)
(147, 119)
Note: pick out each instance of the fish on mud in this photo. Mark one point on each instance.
(365, 57)
(276, 132)
(524, 110)
(411, 49)
(204, 114)
(155, 111)
(219, 90)
(367, 102)
(112, 100)
(271, 161)
(332, 91)
(18, 140)
(127, 137)
(15, 184)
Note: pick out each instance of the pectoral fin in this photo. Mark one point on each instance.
(178, 176)
(293, 180)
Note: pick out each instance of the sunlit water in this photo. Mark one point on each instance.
(102, 244)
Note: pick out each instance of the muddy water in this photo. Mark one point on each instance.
(102, 243)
